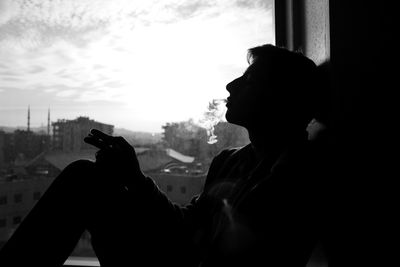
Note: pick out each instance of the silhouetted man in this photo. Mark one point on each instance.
(258, 206)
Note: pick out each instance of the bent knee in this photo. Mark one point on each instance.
(81, 165)
(79, 169)
(75, 177)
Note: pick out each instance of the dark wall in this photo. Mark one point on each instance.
(362, 51)
(356, 39)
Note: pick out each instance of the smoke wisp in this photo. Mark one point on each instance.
(214, 114)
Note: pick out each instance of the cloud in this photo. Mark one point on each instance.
(98, 66)
(66, 93)
(49, 90)
(187, 9)
(36, 69)
(36, 24)
(113, 84)
(68, 54)
(8, 9)
(182, 9)
(254, 3)
(9, 73)
(11, 79)
(80, 52)
(89, 84)
(8, 88)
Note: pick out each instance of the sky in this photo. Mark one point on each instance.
(136, 64)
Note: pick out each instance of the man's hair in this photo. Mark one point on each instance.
(291, 78)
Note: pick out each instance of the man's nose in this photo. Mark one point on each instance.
(233, 84)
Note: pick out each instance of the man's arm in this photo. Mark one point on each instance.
(165, 226)
(178, 230)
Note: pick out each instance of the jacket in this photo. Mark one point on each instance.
(249, 213)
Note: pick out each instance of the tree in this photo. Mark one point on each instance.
(191, 139)
(185, 136)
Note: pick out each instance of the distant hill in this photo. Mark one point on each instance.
(7, 129)
(133, 137)
(138, 138)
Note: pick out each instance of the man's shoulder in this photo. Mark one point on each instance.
(226, 158)
(233, 152)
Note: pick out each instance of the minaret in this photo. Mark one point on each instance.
(29, 118)
(48, 122)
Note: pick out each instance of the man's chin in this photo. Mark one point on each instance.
(233, 118)
(228, 116)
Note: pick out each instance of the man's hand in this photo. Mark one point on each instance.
(116, 157)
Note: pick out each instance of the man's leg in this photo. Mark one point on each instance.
(49, 233)
(118, 229)
(125, 229)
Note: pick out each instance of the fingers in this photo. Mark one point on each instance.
(121, 143)
(105, 155)
(100, 135)
(99, 139)
(95, 142)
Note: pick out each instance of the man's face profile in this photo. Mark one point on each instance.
(246, 96)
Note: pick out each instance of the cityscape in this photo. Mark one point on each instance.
(136, 69)
(30, 159)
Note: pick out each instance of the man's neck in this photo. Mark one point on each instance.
(266, 146)
(271, 144)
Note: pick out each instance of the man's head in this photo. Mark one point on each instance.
(276, 91)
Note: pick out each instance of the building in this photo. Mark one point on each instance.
(33, 166)
(68, 135)
(179, 176)
(2, 143)
(29, 166)
(17, 198)
(179, 188)
(172, 172)
(21, 145)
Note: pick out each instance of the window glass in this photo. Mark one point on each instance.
(152, 71)
(169, 188)
(183, 189)
(17, 220)
(18, 198)
(36, 195)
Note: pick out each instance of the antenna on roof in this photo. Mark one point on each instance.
(29, 118)
(48, 122)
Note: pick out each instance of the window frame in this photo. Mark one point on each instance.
(277, 17)
(282, 38)
(3, 200)
(289, 24)
(18, 198)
